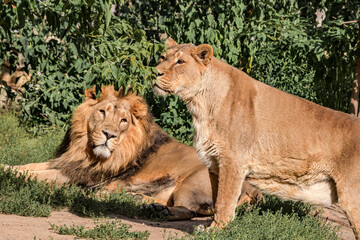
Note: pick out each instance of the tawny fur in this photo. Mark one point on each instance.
(280, 143)
(134, 154)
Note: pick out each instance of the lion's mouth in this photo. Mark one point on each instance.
(101, 150)
(99, 145)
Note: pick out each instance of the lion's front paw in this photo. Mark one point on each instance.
(5, 166)
(156, 210)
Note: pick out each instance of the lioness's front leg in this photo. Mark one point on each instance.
(231, 178)
(214, 180)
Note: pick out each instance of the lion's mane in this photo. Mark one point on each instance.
(76, 160)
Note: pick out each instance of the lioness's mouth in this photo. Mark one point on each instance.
(167, 91)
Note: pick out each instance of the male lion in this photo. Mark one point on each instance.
(113, 141)
(280, 143)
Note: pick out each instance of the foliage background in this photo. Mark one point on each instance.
(70, 45)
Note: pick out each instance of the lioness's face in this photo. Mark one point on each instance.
(180, 69)
(108, 122)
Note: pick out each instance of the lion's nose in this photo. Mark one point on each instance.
(108, 135)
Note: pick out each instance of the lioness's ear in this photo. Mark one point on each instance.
(203, 53)
(107, 91)
(90, 93)
(170, 43)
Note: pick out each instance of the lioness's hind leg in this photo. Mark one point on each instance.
(351, 207)
(349, 198)
(249, 194)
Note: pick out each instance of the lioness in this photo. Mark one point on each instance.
(113, 141)
(244, 129)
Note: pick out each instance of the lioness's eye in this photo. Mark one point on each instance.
(162, 57)
(124, 120)
(102, 112)
(180, 61)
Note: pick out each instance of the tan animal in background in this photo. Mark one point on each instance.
(279, 143)
(114, 142)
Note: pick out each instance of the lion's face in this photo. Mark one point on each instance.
(180, 69)
(109, 120)
(106, 135)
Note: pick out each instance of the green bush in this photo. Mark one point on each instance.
(70, 45)
(275, 41)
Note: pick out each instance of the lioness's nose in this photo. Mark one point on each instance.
(108, 135)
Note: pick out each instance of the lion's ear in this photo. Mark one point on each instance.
(203, 53)
(90, 93)
(107, 91)
(121, 92)
(138, 106)
(170, 42)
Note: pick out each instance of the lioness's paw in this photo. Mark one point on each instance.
(156, 210)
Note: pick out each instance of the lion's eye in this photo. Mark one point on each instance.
(102, 112)
(180, 61)
(162, 57)
(124, 120)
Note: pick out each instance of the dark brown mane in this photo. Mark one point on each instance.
(64, 145)
(157, 138)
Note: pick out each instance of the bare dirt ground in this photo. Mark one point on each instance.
(13, 227)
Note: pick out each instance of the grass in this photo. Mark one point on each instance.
(29, 197)
(104, 229)
(273, 219)
(264, 223)
(18, 147)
